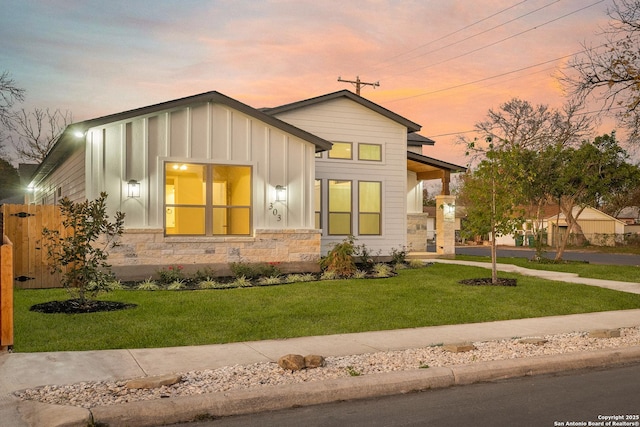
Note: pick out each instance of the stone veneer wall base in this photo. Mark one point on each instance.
(142, 252)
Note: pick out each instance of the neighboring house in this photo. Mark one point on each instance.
(599, 228)
(209, 180)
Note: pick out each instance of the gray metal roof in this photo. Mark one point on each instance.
(69, 142)
(411, 126)
(417, 140)
(430, 161)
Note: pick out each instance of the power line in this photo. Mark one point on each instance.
(505, 39)
(448, 35)
(486, 31)
(494, 76)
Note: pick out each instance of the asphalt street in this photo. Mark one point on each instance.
(578, 398)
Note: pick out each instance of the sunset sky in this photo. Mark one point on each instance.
(440, 63)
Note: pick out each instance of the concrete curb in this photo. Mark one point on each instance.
(189, 408)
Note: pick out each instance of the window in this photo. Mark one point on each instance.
(369, 207)
(207, 200)
(339, 207)
(371, 152)
(317, 199)
(341, 150)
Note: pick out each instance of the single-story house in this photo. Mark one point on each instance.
(599, 228)
(209, 180)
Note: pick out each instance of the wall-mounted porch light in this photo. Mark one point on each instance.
(133, 188)
(281, 193)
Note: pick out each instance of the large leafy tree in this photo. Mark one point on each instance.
(610, 72)
(587, 175)
(525, 142)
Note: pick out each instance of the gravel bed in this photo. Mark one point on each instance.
(237, 377)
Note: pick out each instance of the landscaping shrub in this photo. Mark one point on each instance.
(340, 258)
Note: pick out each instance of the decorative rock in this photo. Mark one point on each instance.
(604, 333)
(154, 382)
(313, 361)
(292, 362)
(459, 347)
(534, 341)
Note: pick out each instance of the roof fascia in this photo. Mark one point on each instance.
(68, 140)
(435, 162)
(411, 126)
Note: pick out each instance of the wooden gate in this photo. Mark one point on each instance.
(23, 226)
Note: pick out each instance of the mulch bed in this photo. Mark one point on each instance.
(488, 282)
(74, 306)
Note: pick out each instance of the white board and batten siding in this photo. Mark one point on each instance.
(202, 133)
(343, 120)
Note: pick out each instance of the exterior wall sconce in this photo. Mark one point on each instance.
(133, 188)
(281, 193)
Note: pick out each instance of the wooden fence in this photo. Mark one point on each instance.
(6, 294)
(23, 225)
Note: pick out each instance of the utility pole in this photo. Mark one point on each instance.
(358, 83)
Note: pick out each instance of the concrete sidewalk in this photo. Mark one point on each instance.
(27, 370)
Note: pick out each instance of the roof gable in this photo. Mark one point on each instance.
(68, 141)
(411, 126)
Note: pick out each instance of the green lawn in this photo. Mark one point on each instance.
(422, 297)
(624, 273)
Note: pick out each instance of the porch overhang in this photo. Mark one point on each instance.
(427, 168)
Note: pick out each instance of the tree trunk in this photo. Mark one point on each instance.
(572, 226)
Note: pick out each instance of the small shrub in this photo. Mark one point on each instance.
(353, 372)
(381, 270)
(271, 280)
(242, 282)
(399, 266)
(359, 274)
(170, 274)
(81, 254)
(295, 278)
(176, 285)
(340, 258)
(364, 255)
(415, 263)
(208, 283)
(253, 271)
(399, 256)
(204, 275)
(148, 285)
(329, 275)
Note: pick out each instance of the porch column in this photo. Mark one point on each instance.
(445, 225)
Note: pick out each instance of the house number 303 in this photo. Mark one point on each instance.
(274, 212)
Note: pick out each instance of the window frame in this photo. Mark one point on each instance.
(330, 212)
(361, 144)
(208, 206)
(338, 143)
(360, 212)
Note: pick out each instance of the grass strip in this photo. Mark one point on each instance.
(422, 297)
(623, 273)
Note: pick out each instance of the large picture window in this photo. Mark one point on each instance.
(369, 207)
(207, 200)
(339, 207)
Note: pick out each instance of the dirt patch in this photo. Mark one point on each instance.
(488, 282)
(75, 306)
